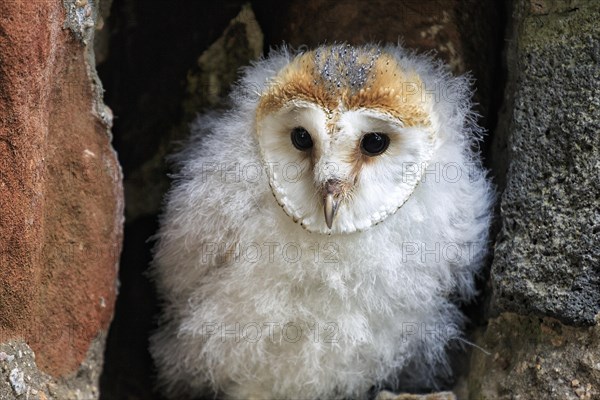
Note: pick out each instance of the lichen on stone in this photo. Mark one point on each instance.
(81, 18)
(20, 377)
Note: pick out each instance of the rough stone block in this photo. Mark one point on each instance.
(535, 358)
(60, 191)
(547, 256)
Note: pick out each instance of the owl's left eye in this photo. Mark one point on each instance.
(373, 144)
(301, 139)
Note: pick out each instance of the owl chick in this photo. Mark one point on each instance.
(320, 232)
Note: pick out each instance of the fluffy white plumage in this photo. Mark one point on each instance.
(258, 306)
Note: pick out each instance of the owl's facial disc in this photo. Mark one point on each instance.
(341, 176)
(343, 156)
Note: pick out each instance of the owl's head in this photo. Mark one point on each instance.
(345, 133)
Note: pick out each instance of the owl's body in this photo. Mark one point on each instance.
(317, 231)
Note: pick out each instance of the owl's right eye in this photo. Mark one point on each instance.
(301, 139)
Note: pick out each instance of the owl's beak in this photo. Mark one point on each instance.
(331, 201)
(331, 206)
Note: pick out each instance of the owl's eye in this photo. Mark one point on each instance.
(301, 139)
(373, 144)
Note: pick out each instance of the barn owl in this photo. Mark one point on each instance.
(321, 231)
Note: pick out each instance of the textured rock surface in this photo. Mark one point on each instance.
(536, 358)
(543, 342)
(22, 379)
(547, 257)
(60, 196)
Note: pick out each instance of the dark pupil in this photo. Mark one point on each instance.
(373, 144)
(301, 139)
